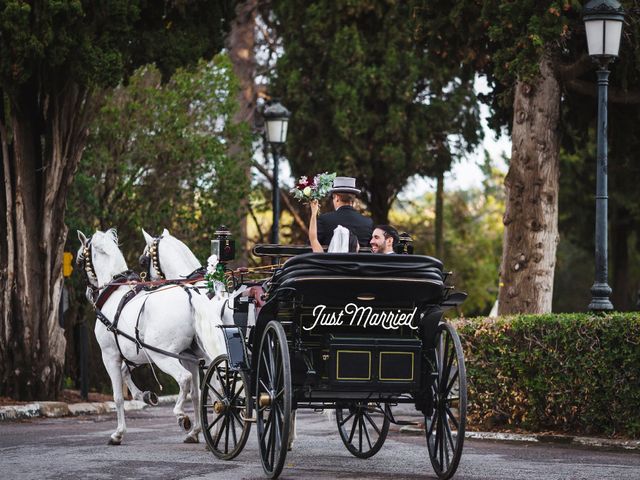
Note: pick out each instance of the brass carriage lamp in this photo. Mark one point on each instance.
(223, 246)
(276, 118)
(603, 25)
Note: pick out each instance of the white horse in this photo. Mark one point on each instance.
(167, 318)
(170, 258)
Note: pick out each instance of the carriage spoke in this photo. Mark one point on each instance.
(370, 420)
(265, 362)
(226, 433)
(215, 421)
(451, 383)
(366, 432)
(353, 428)
(272, 437)
(214, 391)
(347, 419)
(216, 441)
(232, 387)
(360, 433)
(453, 418)
(237, 394)
(232, 425)
(449, 435)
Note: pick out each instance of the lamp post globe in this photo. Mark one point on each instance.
(276, 119)
(603, 25)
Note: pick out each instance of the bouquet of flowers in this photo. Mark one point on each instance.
(215, 275)
(315, 188)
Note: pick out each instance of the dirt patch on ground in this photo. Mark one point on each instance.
(68, 396)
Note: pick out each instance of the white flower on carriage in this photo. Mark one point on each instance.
(212, 263)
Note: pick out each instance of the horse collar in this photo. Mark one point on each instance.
(155, 256)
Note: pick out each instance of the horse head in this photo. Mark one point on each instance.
(167, 257)
(100, 257)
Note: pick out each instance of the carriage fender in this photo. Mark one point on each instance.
(236, 348)
(428, 325)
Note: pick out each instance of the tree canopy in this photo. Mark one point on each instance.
(368, 97)
(54, 59)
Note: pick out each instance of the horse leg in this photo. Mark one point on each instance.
(172, 367)
(292, 430)
(113, 366)
(192, 435)
(150, 398)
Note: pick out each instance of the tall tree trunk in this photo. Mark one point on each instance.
(241, 43)
(531, 216)
(38, 164)
(440, 216)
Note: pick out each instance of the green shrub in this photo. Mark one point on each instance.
(578, 373)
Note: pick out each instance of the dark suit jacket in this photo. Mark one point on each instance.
(348, 217)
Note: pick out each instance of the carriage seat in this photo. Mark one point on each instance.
(345, 277)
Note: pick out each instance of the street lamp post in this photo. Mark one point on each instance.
(276, 119)
(603, 24)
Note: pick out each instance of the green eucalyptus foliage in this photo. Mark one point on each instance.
(368, 95)
(158, 157)
(578, 373)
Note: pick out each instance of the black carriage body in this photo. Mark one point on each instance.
(358, 326)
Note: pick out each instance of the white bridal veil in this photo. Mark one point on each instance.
(339, 241)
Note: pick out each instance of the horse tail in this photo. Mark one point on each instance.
(209, 335)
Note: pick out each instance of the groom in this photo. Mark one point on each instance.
(343, 196)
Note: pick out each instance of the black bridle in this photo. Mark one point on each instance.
(87, 269)
(152, 257)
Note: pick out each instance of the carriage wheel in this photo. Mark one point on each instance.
(273, 398)
(224, 409)
(363, 427)
(445, 426)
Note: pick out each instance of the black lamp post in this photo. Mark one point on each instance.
(603, 24)
(276, 119)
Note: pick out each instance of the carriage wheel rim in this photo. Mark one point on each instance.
(446, 426)
(359, 431)
(273, 390)
(223, 395)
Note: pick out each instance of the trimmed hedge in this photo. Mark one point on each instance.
(578, 373)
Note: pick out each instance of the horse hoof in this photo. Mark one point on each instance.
(185, 423)
(191, 440)
(150, 398)
(114, 442)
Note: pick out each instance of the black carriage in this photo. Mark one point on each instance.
(358, 333)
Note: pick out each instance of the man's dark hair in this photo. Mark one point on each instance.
(389, 232)
(346, 197)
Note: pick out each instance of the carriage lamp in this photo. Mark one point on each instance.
(223, 246)
(276, 118)
(603, 25)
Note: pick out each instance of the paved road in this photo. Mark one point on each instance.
(75, 448)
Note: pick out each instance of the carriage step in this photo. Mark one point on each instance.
(252, 419)
(406, 422)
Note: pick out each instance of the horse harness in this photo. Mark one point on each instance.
(134, 281)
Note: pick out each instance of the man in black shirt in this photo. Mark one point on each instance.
(343, 196)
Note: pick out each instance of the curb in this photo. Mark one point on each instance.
(591, 442)
(62, 409)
